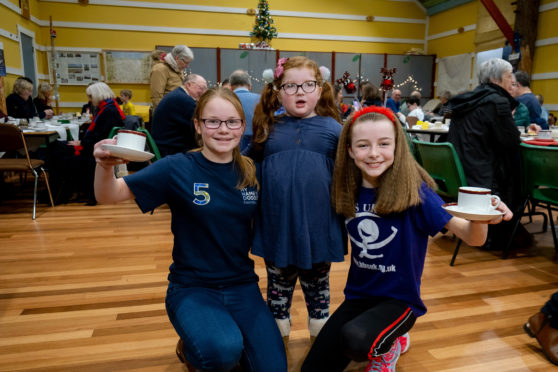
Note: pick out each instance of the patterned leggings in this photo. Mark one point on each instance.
(315, 286)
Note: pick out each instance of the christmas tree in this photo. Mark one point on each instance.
(263, 29)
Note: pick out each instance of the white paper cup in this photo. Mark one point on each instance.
(476, 199)
(131, 139)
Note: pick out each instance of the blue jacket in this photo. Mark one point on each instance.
(249, 101)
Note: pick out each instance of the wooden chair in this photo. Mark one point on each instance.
(440, 160)
(11, 139)
(411, 121)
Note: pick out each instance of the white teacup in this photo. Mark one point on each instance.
(438, 124)
(476, 199)
(131, 139)
(544, 134)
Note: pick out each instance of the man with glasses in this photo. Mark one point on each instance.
(241, 84)
(173, 126)
(167, 72)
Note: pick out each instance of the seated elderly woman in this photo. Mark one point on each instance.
(43, 100)
(76, 157)
(486, 139)
(20, 104)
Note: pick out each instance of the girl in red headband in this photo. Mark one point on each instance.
(390, 209)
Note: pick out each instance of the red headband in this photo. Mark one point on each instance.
(374, 109)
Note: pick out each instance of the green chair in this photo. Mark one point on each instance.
(440, 160)
(150, 142)
(539, 181)
(412, 146)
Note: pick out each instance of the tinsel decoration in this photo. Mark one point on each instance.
(263, 29)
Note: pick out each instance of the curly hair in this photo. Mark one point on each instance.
(399, 186)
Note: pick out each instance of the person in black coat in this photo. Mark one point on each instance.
(486, 140)
(19, 103)
(42, 101)
(76, 157)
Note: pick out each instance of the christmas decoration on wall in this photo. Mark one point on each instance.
(347, 83)
(264, 31)
(387, 78)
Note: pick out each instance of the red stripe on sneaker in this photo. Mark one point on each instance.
(389, 328)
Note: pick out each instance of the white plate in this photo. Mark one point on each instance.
(455, 211)
(126, 153)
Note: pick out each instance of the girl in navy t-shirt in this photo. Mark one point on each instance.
(390, 209)
(213, 299)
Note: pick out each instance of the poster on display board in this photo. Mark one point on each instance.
(76, 67)
(129, 67)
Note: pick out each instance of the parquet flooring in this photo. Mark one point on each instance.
(82, 289)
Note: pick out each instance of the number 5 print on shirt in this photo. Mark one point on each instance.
(202, 194)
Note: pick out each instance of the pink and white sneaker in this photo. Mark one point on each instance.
(385, 362)
(405, 342)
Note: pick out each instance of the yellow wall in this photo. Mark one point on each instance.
(143, 41)
(546, 57)
(545, 60)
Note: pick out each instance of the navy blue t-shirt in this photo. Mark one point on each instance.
(211, 218)
(388, 252)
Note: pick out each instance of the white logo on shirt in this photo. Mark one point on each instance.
(368, 232)
(249, 196)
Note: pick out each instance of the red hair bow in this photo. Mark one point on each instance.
(374, 109)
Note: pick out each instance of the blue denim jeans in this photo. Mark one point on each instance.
(221, 327)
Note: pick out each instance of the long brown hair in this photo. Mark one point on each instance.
(247, 169)
(264, 119)
(399, 186)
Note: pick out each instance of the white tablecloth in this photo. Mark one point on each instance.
(62, 130)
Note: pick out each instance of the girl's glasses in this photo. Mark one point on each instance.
(216, 123)
(307, 87)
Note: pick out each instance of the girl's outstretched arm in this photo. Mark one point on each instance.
(109, 189)
(474, 233)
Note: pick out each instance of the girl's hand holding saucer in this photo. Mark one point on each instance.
(103, 157)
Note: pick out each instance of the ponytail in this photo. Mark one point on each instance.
(326, 104)
(247, 170)
(264, 115)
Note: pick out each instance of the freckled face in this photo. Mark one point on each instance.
(373, 149)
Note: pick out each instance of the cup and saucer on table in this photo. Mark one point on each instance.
(474, 204)
(129, 146)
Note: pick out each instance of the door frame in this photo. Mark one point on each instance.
(31, 34)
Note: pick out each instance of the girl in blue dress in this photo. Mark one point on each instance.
(297, 231)
(213, 299)
(391, 209)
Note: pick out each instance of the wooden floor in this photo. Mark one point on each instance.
(82, 289)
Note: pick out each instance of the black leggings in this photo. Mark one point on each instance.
(358, 330)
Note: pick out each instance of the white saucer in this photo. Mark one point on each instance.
(126, 153)
(455, 211)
